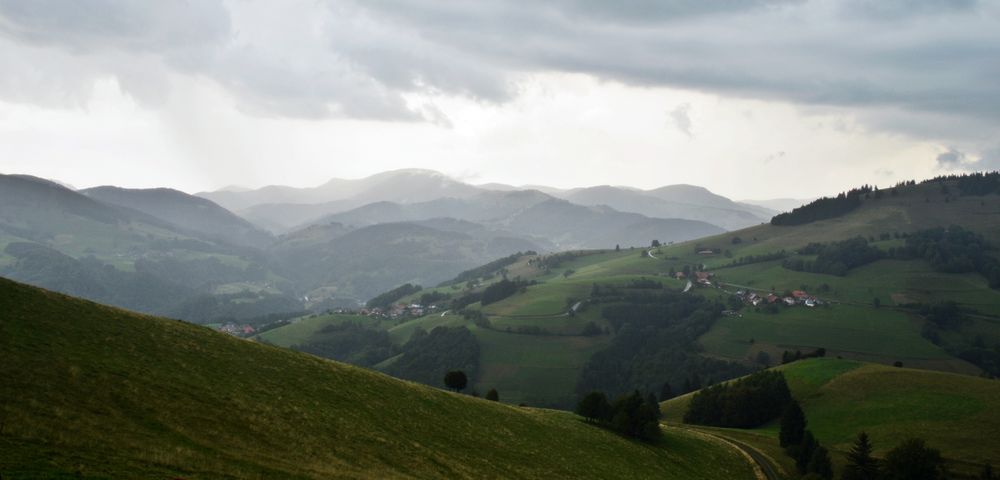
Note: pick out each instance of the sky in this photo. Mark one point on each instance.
(753, 99)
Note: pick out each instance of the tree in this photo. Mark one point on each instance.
(456, 380)
(804, 452)
(493, 395)
(860, 463)
(655, 243)
(763, 358)
(820, 464)
(633, 417)
(666, 393)
(793, 425)
(594, 407)
(618, 247)
(913, 460)
(654, 405)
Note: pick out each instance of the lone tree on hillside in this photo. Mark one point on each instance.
(913, 460)
(493, 395)
(594, 407)
(793, 425)
(860, 463)
(456, 380)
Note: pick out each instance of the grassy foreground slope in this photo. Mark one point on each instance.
(93, 391)
(956, 414)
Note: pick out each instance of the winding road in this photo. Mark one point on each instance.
(763, 469)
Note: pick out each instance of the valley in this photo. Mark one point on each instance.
(541, 328)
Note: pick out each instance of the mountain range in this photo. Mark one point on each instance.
(240, 254)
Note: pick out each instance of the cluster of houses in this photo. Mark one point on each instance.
(401, 310)
(237, 330)
(798, 297)
(699, 278)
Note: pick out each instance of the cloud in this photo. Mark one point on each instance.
(682, 119)
(989, 160)
(910, 66)
(951, 159)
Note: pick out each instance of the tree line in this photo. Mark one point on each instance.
(655, 343)
(745, 403)
(949, 250)
(911, 459)
(823, 208)
(631, 415)
(487, 269)
(386, 299)
(835, 258)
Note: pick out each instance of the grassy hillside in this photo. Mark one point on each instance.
(92, 391)
(849, 325)
(956, 414)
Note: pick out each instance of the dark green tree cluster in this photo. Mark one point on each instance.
(835, 258)
(456, 380)
(553, 261)
(351, 343)
(387, 298)
(972, 184)
(427, 357)
(822, 208)
(644, 283)
(655, 341)
(501, 290)
(630, 415)
(952, 250)
(487, 269)
(789, 357)
(764, 257)
(430, 298)
(811, 458)
(910, 460)
(744, 403)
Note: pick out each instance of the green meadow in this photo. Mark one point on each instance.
(954, 413)
(95, 392)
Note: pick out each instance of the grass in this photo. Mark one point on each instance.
(956, 414)
(401, 333)
(878, 334)
(892, 281)
(96, 392)
(531, 368)
(303, 329)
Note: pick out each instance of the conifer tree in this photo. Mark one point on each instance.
(804, 451)
(860, 463)
(819, 463)
(793, 425)
(666, 393)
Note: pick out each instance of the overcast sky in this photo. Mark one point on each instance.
(752, 99)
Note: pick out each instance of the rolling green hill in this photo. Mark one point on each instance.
(95, 392)
(847, 325)
(956, 414)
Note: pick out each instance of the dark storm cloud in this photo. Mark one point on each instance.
(951, 159)
(917, 65)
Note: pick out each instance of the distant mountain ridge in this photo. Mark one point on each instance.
(283, 209)
(186, 211)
